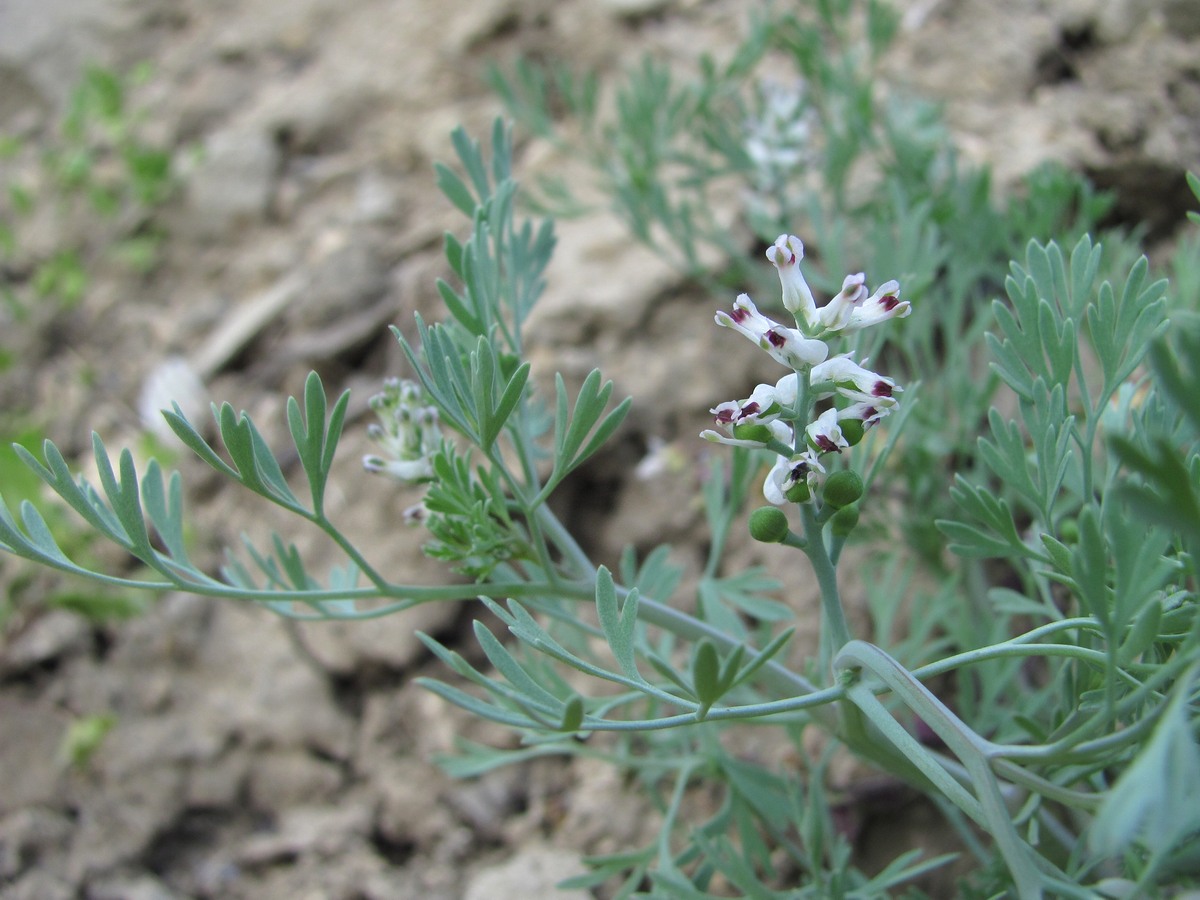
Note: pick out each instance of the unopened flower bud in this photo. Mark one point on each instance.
(842, 489)
(769, 525)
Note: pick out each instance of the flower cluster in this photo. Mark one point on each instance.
(779, 137)
(407, 433)
(781, 416)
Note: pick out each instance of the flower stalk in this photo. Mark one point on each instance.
(822, 407)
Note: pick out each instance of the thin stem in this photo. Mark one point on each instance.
(665, 859)
(835, 633)
(864, 699)
(1039, 785)
(999, 651)
(1088, 441)
(1072, 747)
(537, 540)
(564, 541)
(523, 444)
(347, 546)
(971, 656)
(412, 595)
(778, 678)
(968, 746)
(835, 548)
(802, 410)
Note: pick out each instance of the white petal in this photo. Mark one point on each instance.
(835, 314)
(786, 254)
(173, 381)
(717, 438)
(773, 486)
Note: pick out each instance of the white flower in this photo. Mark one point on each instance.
(407, 471)
(763, 407)
(782, 393)
(747, 434)
(417, 514)
(836, 314)
(779, 139)
(791, 348)
(855, 419)
(866, 412)
(789, 474)
(407, 433)
(850, 310)
(766, 402)
(882, 305)
(786, 345)
(773, 414)
(852, 381)
(824, 434)
(785, 254)
(746, 319)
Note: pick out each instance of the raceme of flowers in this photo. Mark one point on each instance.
(407, 433)
(779, 138)
(780, 416)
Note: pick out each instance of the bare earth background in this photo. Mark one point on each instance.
(252, 759)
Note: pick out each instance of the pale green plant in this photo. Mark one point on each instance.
(24, 588)
(869, 168)
(1043, 695)
(95, 179)
(84, 738)
(98, 165)
(1031, 759)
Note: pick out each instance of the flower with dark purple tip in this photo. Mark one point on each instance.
(882, 305)
(786, 345)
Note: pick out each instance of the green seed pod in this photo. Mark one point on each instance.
(844, 520)
(798, 492)
(852, 430)
(752, 431)
(842, 489)
(769, 525)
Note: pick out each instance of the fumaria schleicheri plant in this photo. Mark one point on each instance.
(822, 406)
(1049, 715)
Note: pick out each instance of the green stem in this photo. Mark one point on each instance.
(973, 750)
(523, 443)
(778, 678)
(1086, 456)
(409, 595)
(347, 547)
(835, 633)
(1097, 658)
(572, 553)
(802, 410)
(1072, 748)
(665, 856)
(863, 698)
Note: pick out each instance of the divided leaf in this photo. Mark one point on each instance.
(572, 445)
(619, 624)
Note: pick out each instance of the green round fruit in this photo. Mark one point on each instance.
(769, 525)
(844, 520)
(842, 489)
